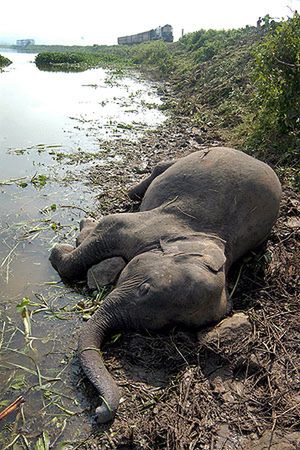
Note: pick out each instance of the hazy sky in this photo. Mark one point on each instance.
(101, 22)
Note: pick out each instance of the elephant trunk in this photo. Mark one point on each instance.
(105, 320)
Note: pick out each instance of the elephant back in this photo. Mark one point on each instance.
(222, 191)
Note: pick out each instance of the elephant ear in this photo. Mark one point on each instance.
(203, 246)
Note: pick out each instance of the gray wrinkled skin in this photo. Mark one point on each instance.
(197, 216)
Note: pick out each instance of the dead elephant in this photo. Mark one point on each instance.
(197, 216)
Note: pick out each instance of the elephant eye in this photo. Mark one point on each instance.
(144, 288)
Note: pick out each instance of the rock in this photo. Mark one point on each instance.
(226, 438)
(198, 139)
(293, 222)
(106, 272)
(222, 436)
(228, 332)
(275, 441)
(142, 168)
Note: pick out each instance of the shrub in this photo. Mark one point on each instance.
(154, 54)
(204, 44)
(277, 90)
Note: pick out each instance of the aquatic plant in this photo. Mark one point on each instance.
(4, 61)
(80, 60)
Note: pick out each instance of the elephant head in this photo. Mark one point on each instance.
(182, 282)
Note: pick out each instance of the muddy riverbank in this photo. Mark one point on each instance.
(189, 394)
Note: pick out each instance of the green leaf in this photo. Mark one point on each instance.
(18, 383)
(64, 446)
(43, 443)
(23, 304)
(23, 184)
(4, 403)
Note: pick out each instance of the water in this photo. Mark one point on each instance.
(45, 116)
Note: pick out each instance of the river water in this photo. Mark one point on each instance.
(44, 117)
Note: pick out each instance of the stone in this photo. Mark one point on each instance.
(228, 332)
(275, 441)
(293, 222)
(106, 272)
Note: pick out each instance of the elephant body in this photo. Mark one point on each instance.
(197, 216)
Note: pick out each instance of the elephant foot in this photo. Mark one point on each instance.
(57, 255)
(106, 272)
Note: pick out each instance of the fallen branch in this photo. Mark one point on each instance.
(12, 407)
(287, 64)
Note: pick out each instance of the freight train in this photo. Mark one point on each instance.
(164, 33)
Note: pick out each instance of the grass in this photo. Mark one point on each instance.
(37, 180)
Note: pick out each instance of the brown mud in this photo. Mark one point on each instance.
(181, 390)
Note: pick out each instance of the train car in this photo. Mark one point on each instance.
(167, 33)
(164, 33)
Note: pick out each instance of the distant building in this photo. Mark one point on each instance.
(25, 42)
(164, 33)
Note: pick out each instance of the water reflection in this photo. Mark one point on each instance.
(66, 69)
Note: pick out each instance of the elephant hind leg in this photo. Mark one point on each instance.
(138, 191)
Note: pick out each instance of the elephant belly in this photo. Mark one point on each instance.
(221, 191)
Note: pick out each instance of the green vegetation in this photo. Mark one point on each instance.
(4, 61)
(81, 58)
(276, 78)
(60, 58)
(238, 86)
(63, 61)
(205, 44)
(155, 55)
(37, 181)
(212, 77)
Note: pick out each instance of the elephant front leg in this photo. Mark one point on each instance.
(73, 263)
(102, 242)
